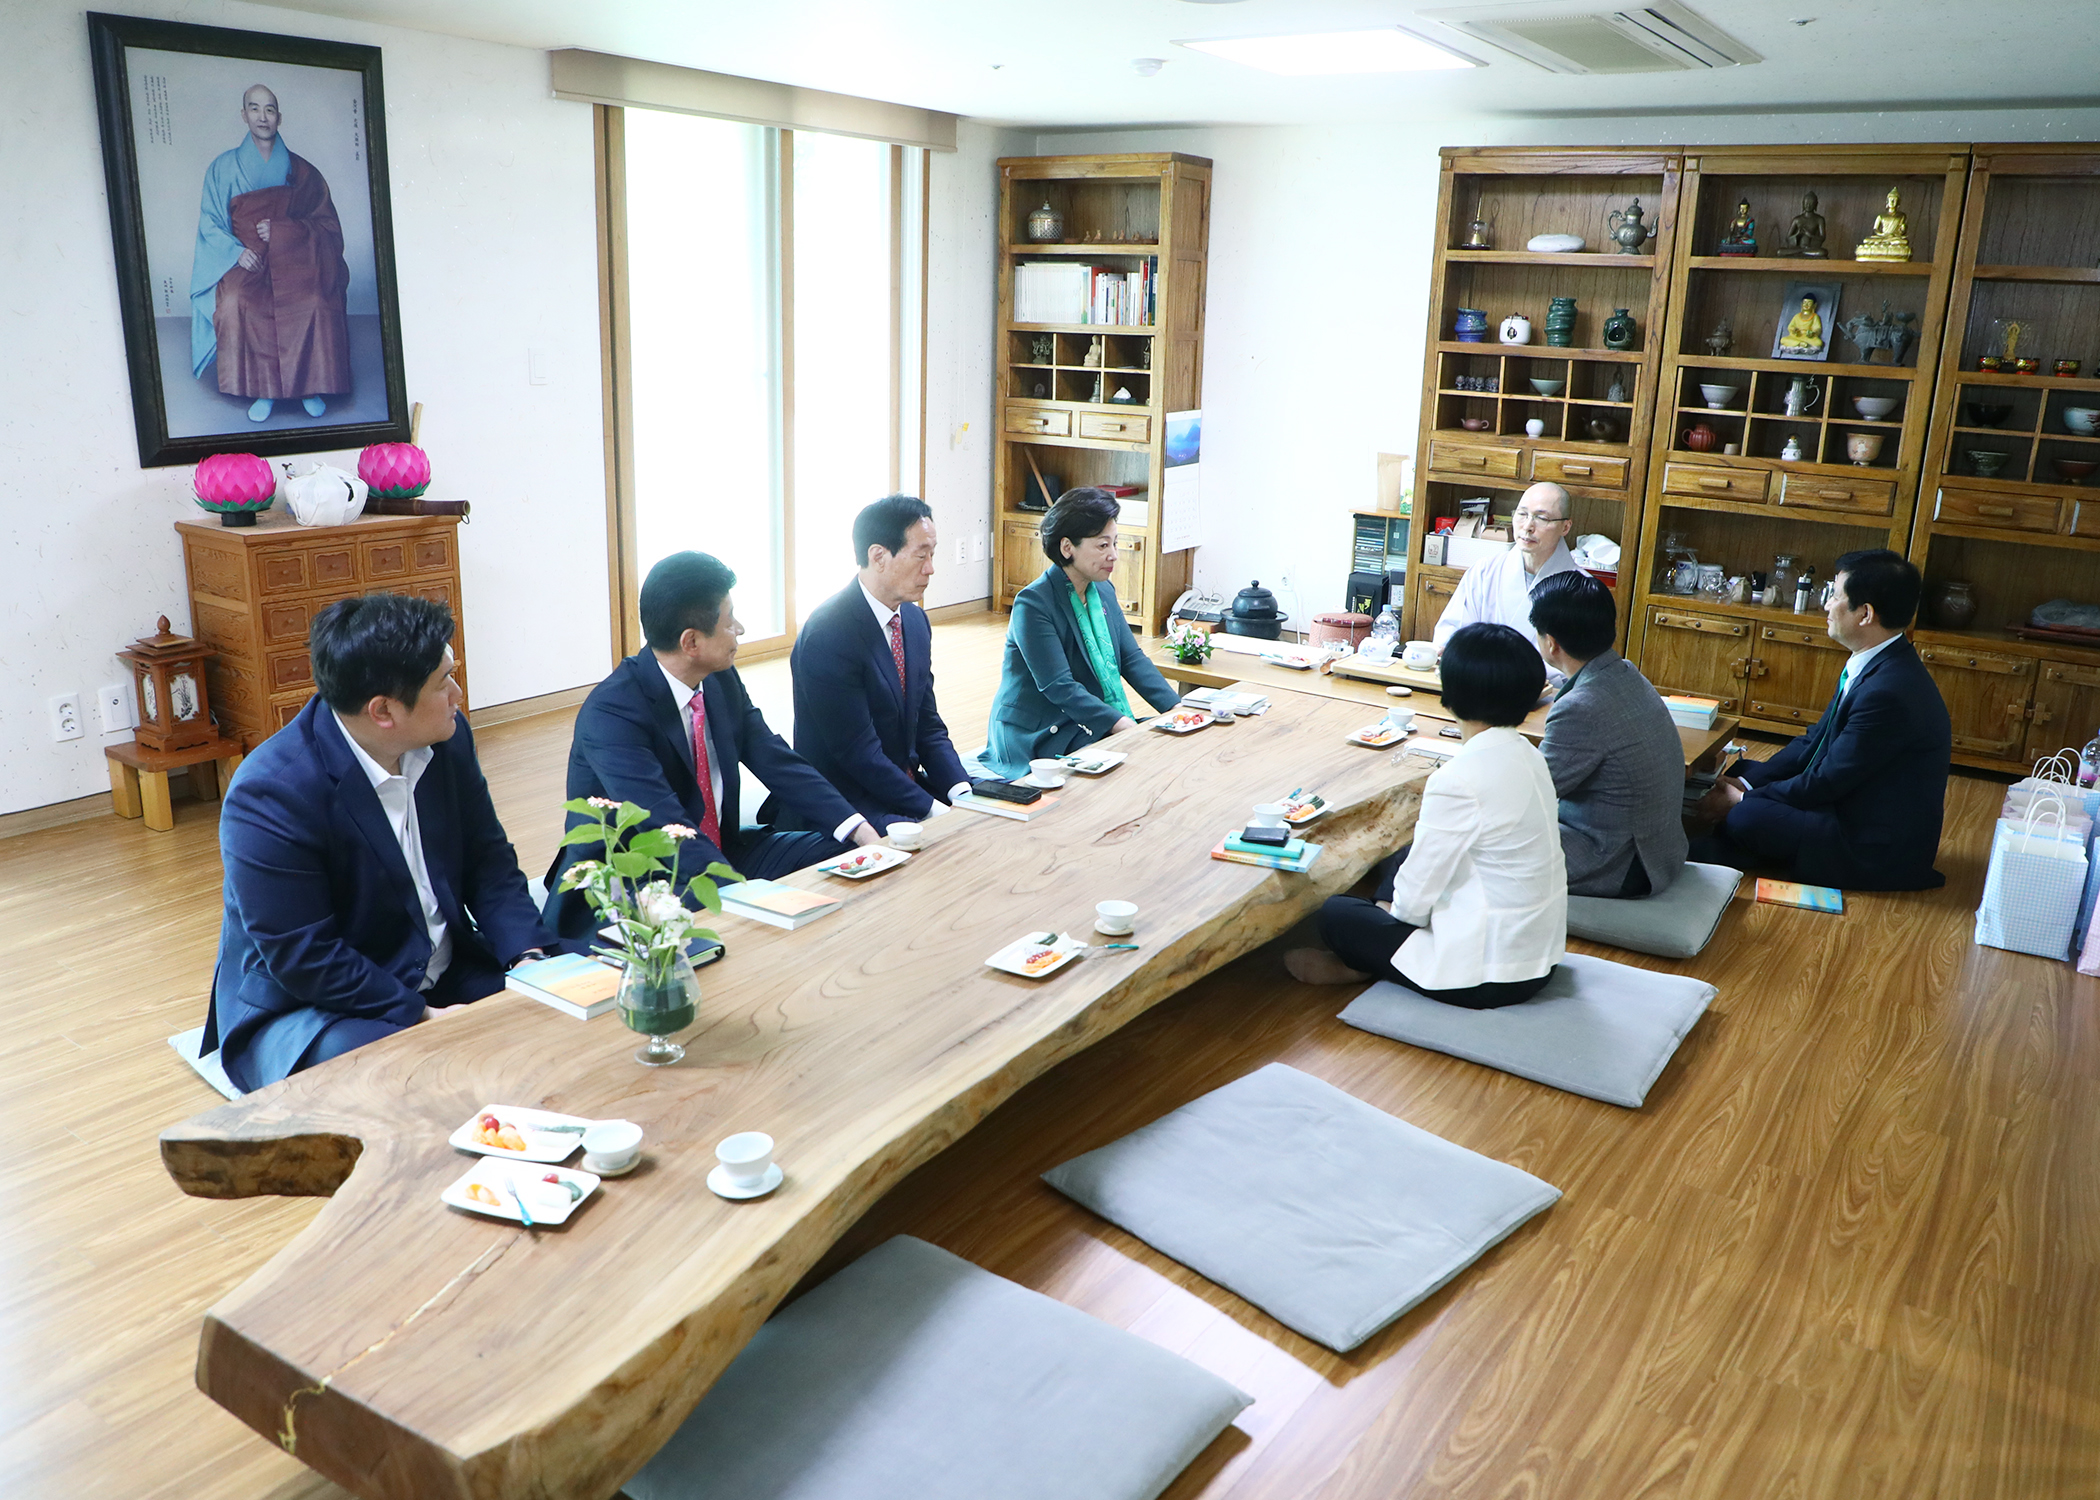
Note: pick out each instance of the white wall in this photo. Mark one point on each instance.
(495, 246)
(961, 320)
(1297, 404)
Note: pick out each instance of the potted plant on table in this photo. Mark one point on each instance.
(644, 922)
(1189, 643)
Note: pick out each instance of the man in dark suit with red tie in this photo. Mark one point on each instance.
(863, 663)
(668, 730)
(1857, 801)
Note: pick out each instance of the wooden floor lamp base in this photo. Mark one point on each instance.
(138, 777)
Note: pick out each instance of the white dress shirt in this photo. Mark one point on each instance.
(883, 615)
(397, 797)
(1485, 882)
(682, 696)
(1498, 592)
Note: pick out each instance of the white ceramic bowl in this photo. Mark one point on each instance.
(1874, 408)
(1718, 396)
(1047, 773)
(613, 1144)
(2083, 420)
(1115, 918)
(1549, 387)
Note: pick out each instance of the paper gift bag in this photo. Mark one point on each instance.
(2031, 891)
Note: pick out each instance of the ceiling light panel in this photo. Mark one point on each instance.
(1385, 50)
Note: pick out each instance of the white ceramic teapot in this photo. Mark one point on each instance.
(1516, 329)
(324, 495)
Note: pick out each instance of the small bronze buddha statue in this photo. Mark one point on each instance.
(1891, 237)
(1804, 236)
(1741, 238)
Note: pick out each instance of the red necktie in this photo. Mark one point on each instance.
(897, 647)
(710, 822)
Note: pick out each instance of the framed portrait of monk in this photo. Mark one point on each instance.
(254, 244)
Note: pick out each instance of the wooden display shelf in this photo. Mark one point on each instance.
(1539, 351)
(1551, 258)
(1797, 264)
(2024, 382)
(1120, 328)
(2070, 275)
(1097, 248)
(1795, 366)
(2033, 433)
(1780, 416)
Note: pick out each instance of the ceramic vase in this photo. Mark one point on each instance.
(1046, 226)
(1471, 326)
(657, 1006)
(1560, 322)
(1953, 606)
(1619, 332)
(1863, 447)
(1516, 329)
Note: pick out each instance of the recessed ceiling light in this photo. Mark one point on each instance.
(1385, 50)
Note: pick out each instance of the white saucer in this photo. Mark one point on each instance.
(718, 1181)
(1113, 931)
(590, 1164)
(1046, 786)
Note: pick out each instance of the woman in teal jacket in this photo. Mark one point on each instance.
(1068, 648)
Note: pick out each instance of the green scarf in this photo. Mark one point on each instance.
(1100, 653)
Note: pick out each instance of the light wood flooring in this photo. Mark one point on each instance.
(1851, 1247)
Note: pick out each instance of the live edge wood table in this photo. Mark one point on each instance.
(410, 1351)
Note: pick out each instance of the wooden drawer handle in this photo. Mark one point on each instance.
(1574, 468)
(1111, 426)
(1833, 494)
(1996, 510)
(1481, 458)
(1716, 484)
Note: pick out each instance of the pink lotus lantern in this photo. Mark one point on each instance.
(235, 487)
(394, 471)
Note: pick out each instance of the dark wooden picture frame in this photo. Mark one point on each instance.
(178, 424)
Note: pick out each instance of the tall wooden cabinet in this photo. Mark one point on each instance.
(254, 591)
(1743, 510)
(1592, 403)
(1056, 381)
(2029, 532)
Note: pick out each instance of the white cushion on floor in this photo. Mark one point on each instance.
(913, 1375)
(1330, 1215)
(1599, 1029)
(1675, 924)
(208, 1066)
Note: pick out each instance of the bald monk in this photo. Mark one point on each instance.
(267, 284)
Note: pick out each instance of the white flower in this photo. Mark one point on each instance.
(680, 832)
(658, 906)
(603, 802)
(580, 874)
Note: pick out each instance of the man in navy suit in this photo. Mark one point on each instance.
(863, 664)
(1857, 801)
(369, 885)
(668, 729)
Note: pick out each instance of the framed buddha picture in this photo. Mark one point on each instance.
(1807, 320)
(253, 234)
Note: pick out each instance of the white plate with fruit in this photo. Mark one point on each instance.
(521, 1133)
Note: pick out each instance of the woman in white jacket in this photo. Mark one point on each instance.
(1475, 911)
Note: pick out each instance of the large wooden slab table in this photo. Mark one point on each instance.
(1229, 669)
(410, 1351)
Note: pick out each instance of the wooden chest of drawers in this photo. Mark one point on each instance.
(254, 591)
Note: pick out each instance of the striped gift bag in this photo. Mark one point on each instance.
(2031, 891)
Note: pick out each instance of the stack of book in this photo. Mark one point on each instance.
(1295, 857)
(1020, 812)
(1069, 292)
(775, 904)
(1690, 712)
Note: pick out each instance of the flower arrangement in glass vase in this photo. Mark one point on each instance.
(1189, 643)
(645, 923)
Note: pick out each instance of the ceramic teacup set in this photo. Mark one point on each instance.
(744, 1165)
(1047, 774)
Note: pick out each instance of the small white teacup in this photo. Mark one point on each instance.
(745, 1158)
(906, 835)
(1115, 918)
(1267, 815)
(1402, 719)
(1047, 773)
(1418, 655)
(611, 1146)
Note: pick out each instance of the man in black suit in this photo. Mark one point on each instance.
(1856, 801)
(668, 729)
(863, 663)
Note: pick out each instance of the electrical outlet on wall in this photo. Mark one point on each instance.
(962, 550)
(114, 705)
(65, 717)
(977, 547)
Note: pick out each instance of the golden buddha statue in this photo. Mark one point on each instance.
(1891, 237)
(1804, 330)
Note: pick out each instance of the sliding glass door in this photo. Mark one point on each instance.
(762, 352)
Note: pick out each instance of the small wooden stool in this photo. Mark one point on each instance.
(138, 777)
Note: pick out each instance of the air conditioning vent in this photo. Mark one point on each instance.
(1659, 37)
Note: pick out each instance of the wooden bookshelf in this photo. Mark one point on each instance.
(1057, 415)
(1770, 667)
(1593, 444)
(2030, 532)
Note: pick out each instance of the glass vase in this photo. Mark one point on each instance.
(656, 1006)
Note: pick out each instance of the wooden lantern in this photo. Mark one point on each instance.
(168, 672)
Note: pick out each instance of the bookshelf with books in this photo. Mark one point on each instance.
(2008, 505)
(1498, 417)
(1771, 457)
(1100, 337)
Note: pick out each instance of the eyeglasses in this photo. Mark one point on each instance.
(1520, 517)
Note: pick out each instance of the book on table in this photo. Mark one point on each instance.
(576, 984)
(1020, 812)
(1294, 858)
(1690, 712)
(775, 904)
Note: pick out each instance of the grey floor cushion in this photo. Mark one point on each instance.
(913, 1375)
(1676, 924)
(1599, 1029)
(1329, 1215)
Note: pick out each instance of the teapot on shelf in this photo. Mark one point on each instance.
(1700, 438)
(1802, 395)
